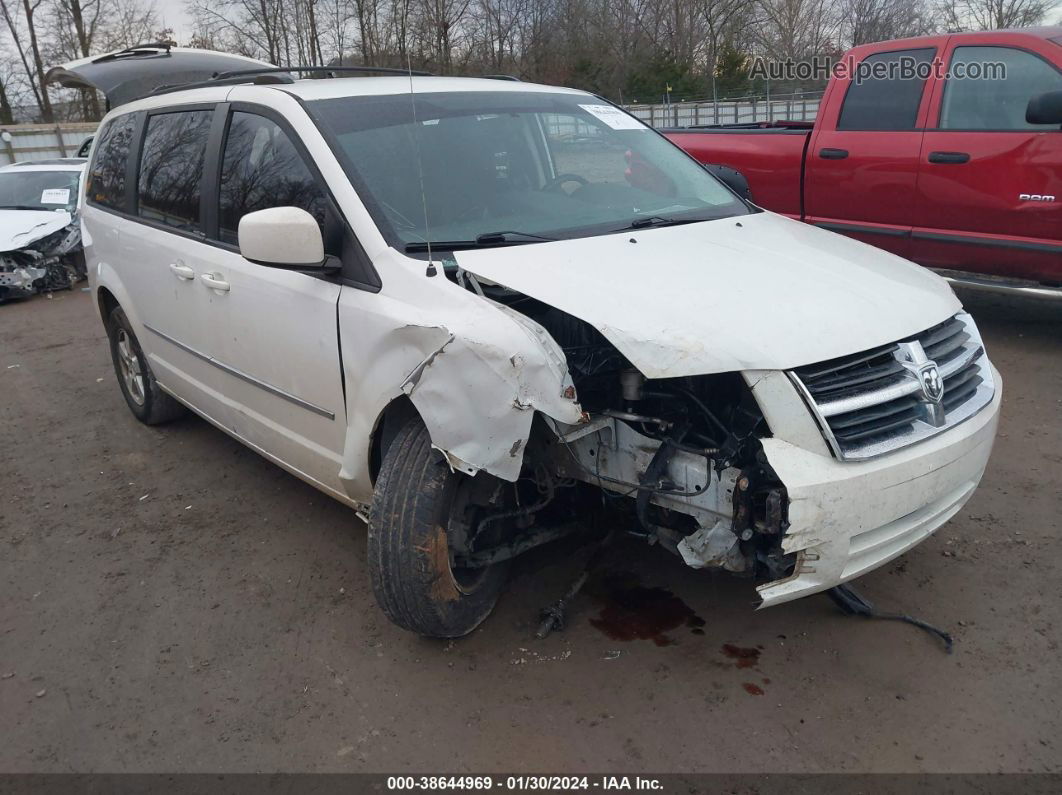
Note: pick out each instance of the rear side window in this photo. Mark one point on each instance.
(106, 183)
(171, 168)
(886, 91)
(988, 88)
(261, 168)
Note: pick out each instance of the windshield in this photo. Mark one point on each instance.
(491, 168)
(39, 190)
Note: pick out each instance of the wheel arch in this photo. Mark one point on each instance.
(388, 423)
(111, 293)
(106, 302)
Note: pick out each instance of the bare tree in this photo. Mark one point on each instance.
(621, 48)
(721, 20)
(796, 29)
(74, 28)
(31, 61)
(995, 14)
(866, 21)
(7, 114)
(128, 22)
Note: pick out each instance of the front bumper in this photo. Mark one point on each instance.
(847, 518)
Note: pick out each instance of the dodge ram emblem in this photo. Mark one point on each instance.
(932, 383)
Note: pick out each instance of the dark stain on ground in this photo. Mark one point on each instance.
(631, 611)
(742, 657)
(753, 689)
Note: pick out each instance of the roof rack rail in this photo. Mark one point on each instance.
(513, 78)
(274, 75)
(269, 79)
(328, 70)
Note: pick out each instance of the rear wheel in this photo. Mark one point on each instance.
(413, 524)
(142, 393)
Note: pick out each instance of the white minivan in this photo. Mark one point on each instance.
(483, 312)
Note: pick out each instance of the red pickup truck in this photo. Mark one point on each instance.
(959, 168)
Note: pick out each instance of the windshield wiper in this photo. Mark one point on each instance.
(21, 207)
(647, 221)
(486, 240)
(509, 236)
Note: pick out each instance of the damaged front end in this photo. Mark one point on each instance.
(647, 417)
(676, 461)
(53, 262)
(684, 452)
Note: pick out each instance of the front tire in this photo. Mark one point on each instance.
(141, 391)
(409, 549)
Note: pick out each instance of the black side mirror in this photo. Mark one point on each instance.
(1045, 108)
(730, 177)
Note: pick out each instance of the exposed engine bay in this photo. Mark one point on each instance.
(677, 461)
(54, 262)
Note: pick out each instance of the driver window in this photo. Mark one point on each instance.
(261, 168)
(995, 101)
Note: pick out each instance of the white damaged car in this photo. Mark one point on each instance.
(40, 229)
(480, 312)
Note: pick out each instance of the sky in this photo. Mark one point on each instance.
(172, 14)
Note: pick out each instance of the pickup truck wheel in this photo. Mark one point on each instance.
(142, 393)
(409, 546)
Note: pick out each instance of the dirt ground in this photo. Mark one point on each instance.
(169, 601)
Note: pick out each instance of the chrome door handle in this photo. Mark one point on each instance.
(214, 282)
(182, 271)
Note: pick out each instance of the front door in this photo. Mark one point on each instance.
(276, 338)
(862, 162)
(990, 183)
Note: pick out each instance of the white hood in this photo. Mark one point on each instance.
(758, 292)
(20, 228)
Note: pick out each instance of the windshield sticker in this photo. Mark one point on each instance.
(614, 117)
(55, 196)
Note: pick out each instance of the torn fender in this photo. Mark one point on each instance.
(478, 397)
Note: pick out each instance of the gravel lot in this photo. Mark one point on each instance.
(169, 601)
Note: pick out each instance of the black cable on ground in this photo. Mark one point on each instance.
(851, 603)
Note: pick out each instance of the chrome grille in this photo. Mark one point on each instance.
(876, 401)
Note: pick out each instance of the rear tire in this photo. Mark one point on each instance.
(141, 391)
(409, 550)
